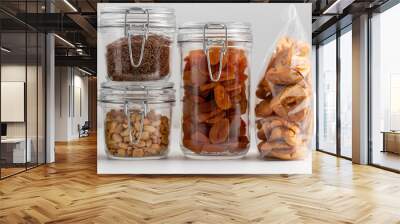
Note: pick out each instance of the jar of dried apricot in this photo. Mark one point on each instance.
(215, 89)
(137, 119)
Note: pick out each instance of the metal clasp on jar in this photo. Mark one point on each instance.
(130, 30)
(215, 42)
(128, 114)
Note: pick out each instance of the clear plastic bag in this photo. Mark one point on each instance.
(284, 95)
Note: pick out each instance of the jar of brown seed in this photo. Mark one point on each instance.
(136, 42)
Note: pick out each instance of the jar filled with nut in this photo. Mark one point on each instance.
(137, 42)
(137, 120)
(214, 87)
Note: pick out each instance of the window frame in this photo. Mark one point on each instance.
(381, 9)
(334, 37)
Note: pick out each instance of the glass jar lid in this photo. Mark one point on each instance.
(215, 34)
(199, 32)
(152, 17)
(141, 92)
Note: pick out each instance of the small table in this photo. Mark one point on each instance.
(13, 150)
(391, 141)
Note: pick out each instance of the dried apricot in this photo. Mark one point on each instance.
(233, 87)
(237, 58)
(196, 59)
(243, 142)
(235, 92)
(227, 75)
(214, 56)
(202, 117)
(207, 86)
(243, 105)
(194, 99)
(199, 137)
(194, 78)
(187, 128)
(206, 107)
(234, 127)
(222, 98)
(219, 131)
(243, 77)
(210, 148)
(216, 118)
(187, 107)
(237, 127)
(193, 146)
(236, 99)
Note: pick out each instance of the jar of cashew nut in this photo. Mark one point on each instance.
(215, 89)
(137, 119)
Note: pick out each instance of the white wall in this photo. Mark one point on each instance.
(79, 117)
(33, 126)
(69, 82)
(12, 73)
(62, 81)
(16, 73)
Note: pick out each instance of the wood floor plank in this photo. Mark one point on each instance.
(70, 191)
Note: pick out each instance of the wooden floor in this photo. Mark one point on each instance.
(70, 191)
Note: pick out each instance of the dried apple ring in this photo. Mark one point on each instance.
(264, 109)
(289, 100)
(219, 131)
(222, 98)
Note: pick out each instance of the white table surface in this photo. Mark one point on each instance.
(176, 163)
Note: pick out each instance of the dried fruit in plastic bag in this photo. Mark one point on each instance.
(282, 150)
(292, 99)
(284, 104)
(264, 109)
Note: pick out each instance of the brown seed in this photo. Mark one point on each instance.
(155, 64)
